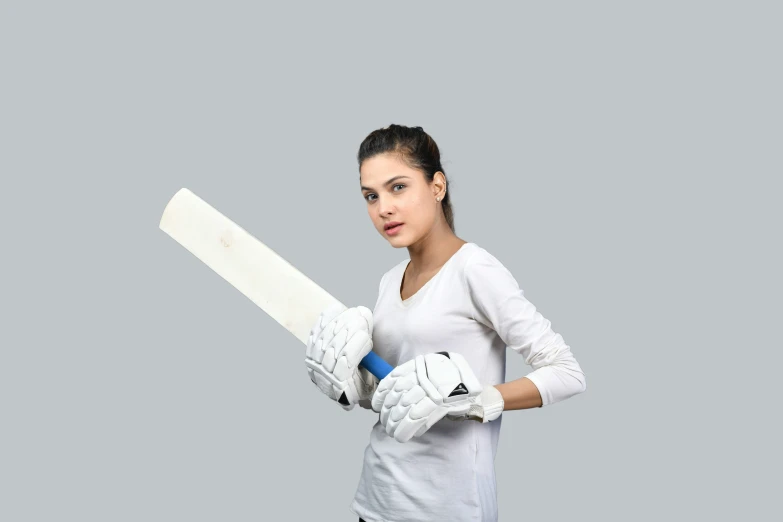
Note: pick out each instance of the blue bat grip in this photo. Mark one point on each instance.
(376, 366)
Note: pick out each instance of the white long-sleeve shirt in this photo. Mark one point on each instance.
(474, 306)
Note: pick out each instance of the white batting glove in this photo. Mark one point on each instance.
(422, 391)
(339, 340)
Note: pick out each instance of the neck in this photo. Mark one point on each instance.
(433, 250)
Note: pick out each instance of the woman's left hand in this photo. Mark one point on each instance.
(422, 391)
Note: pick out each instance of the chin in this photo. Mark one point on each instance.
(396, 242)
(400, 242)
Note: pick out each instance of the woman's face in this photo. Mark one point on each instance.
(396, 193)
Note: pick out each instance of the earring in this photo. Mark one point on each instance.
(437, 199)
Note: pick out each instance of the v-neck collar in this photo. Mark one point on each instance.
(413, 298)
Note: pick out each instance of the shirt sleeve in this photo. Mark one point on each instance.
(500, 304)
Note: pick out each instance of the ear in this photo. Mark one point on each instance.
(438, 185)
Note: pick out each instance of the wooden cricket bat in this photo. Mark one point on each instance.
(277, 287)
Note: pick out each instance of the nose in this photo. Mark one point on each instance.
(384, 206)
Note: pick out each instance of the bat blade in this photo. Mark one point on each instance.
(274, 285)
(266, 278)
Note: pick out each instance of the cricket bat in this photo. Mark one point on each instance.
(272, 283)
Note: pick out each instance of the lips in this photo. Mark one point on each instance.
(392, 228)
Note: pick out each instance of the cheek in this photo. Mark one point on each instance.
(417, 209)
(414, 201)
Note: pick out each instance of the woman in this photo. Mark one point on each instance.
(443, 318)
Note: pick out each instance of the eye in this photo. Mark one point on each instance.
(370, 194)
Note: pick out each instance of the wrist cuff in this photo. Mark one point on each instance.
(492, 402)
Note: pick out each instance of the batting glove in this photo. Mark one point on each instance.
(422, 391)
(339, 340)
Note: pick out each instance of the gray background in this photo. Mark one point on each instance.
(622, 160)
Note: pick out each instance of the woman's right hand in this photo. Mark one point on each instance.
(339, 340)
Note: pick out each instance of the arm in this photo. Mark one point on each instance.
(520, 394)
(501, 305)
(560, 379)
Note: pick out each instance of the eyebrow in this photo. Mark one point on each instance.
(388, 182)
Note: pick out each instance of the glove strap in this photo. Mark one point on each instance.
(492, 403)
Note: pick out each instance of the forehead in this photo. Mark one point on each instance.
(379, 169)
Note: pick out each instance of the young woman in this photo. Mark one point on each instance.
(443, 318)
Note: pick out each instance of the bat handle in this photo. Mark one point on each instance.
(376, 366)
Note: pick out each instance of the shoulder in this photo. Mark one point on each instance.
(477, 256)
(480, 266)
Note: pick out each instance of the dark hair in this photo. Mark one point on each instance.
(416, 148)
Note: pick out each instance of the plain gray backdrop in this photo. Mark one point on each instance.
(623, 161)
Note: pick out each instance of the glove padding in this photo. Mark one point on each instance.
(339, 340)
(422, 391)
